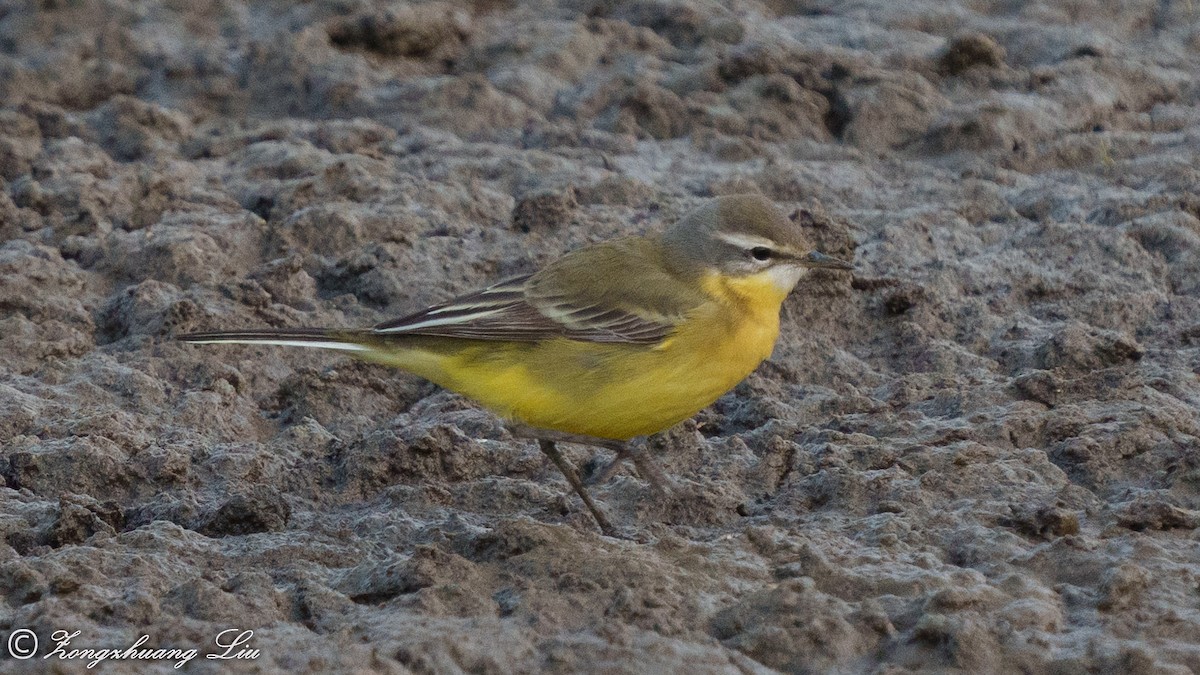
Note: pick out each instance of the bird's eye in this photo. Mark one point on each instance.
(760, 253)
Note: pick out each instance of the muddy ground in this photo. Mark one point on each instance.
(978, 454)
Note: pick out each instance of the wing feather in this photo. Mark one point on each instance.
(615, 292)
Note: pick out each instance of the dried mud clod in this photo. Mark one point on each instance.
(974, 50)
(1044, 522)
(149, 308)
(425, 31)
(1151, 514)
(898, 301)
(81, 517)
(261, 509)
(1075, 347)
(544, 210)
(1040, 386)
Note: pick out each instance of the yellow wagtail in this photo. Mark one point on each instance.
(616, 340)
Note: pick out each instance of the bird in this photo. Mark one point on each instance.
(613, 341)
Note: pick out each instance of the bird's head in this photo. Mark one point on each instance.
(745, 237)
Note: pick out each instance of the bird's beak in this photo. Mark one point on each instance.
(818, 259)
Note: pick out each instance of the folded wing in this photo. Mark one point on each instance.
(615, 292)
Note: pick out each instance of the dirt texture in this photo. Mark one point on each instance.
(978, 453)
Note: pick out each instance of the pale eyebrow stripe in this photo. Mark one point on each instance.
(745, 240)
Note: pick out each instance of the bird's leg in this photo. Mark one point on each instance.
(646, 466)
(568, 471)
(533, 433)
(606, 472)
(625, 451)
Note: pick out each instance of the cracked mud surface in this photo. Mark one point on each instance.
(980, 454)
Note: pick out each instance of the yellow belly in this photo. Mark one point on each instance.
(614, 391)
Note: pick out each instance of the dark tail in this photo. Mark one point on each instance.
(318, 338)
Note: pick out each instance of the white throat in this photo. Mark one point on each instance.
(785, 276)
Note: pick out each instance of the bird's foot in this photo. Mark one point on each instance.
(647, 468)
